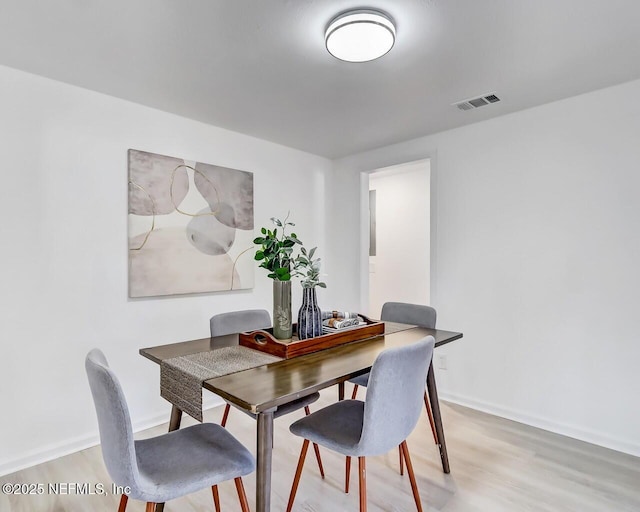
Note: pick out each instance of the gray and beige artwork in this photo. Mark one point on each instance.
(190, 226)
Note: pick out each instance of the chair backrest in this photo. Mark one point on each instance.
(239, 321)
(394, 396)
(116, 433)
(404, 313)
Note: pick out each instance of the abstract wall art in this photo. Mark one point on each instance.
(190, 226)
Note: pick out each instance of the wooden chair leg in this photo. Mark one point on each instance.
(355, 392)
(225, 415)
(296, 480)
(430, 415)
(242, 496)
(401, 460)
(216, 497)
(341, 391)
(347, 475)
(123, 503)
(363, 484)
(412, 476)
(151, 507)
(316, 448)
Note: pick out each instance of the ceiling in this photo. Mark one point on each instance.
(259, 67)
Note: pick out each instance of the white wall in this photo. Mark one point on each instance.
(400, 269)
(64, 253)
(537, 251)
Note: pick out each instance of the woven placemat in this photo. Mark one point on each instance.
(181, 377)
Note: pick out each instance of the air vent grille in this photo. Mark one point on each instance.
(478, 102)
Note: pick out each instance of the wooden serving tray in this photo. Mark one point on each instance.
(264, 341)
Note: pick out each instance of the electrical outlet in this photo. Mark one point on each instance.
(442, 362)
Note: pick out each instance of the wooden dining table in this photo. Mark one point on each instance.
(261, 390)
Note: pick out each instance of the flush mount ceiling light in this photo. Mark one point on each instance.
(360, 36)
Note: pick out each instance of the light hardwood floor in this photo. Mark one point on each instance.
(496, 465)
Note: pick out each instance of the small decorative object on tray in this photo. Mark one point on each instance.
(333, 321)
(265, 341)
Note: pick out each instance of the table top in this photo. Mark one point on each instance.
(266, 387)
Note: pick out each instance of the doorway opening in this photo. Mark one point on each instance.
(399, 235)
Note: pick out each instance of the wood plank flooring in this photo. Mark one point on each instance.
(496, 466)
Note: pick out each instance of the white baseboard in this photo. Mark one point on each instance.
(582, 434)
(57, 450)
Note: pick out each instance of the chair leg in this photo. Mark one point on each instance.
(225, 415)
(355, 392)
(363, 484)
(430, 415)
(347, 475)
(412, 476)
(123, 503)
(242, 496)
(401, 460)
(216, 497)
(316, 448)
(296, 480)
(151, 507)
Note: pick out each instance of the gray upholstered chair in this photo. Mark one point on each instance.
(403, 313)
(390, 413)
(253, 320)
(168, 466)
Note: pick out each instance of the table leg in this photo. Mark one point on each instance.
(264, 449)
(437, 418)
(174, 424)
(176, 417)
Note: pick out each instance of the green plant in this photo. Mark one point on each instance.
(276, 252)
(311, 276)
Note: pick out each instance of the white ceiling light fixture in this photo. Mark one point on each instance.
(360, 36)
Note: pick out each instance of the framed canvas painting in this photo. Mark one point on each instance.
(190, 226)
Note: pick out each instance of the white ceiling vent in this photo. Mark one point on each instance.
(478, 102)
